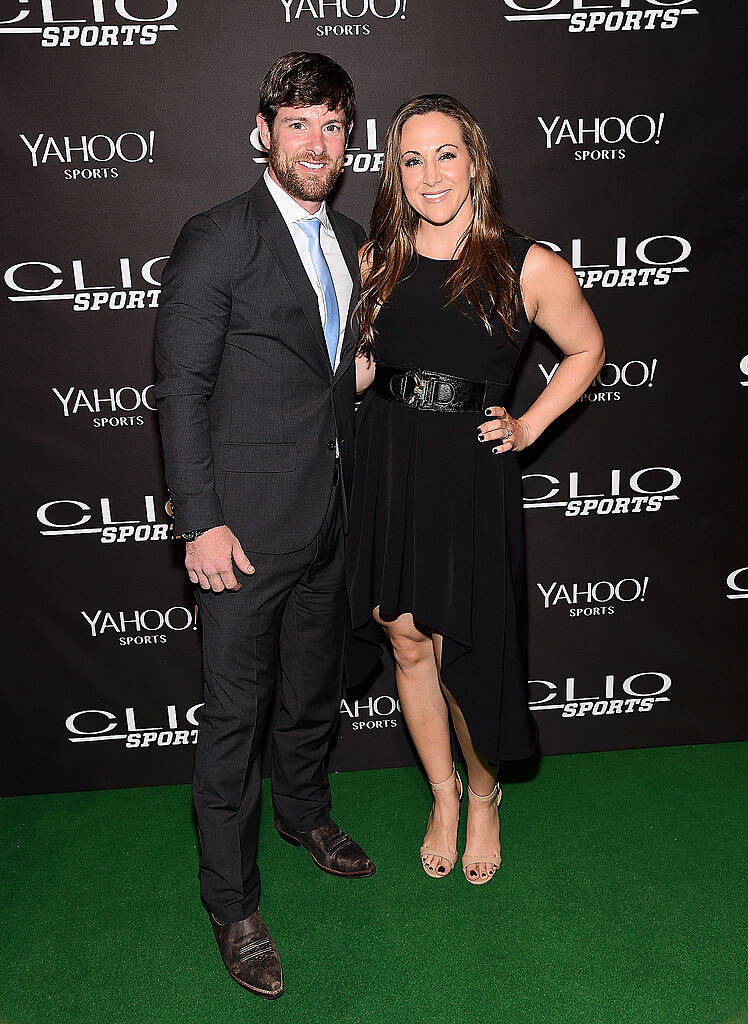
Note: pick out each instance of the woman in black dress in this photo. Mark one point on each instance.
(436, 546)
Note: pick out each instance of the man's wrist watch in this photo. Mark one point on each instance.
(192, 534)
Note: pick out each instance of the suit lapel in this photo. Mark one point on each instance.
(273, 229)
(275, 232)
(350, 255)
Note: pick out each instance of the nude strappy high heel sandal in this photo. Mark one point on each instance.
(471, 859)
(427, 851)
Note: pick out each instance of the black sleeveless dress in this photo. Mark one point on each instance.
(436, 525)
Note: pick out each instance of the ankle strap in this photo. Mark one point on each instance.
(437, 787)
(488, 796)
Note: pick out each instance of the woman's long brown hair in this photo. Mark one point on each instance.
(483, 273)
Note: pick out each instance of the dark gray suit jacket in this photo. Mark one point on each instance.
(248, 405)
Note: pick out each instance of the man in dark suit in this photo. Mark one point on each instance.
(256, 386)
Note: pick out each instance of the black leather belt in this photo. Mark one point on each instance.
(435, 392)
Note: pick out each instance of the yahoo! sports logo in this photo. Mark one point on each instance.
(593, 598)
(614, 380)
(343, 17)
(108, 407)
(382, 712)
(601, 138)
(140, 628)
(103, 22)
(593, 16)
(89, 157)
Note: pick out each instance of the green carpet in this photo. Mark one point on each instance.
(621, 899)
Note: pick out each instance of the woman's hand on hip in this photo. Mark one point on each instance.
(504, 433)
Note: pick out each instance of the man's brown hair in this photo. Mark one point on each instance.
(306, 80)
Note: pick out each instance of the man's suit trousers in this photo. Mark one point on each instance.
(272, 658)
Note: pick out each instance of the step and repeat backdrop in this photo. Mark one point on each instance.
(616, 129)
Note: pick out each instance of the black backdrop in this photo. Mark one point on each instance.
(616, 130)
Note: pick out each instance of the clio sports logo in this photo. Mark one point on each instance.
(96, 22)
(610, 493)
(170, 728)
(592, 16)
(121, 285)
(358, 159)
(640, 692)
(625, 262)
(737, 584)
(70, 517)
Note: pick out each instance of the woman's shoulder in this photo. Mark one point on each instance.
(520, 245)
(517, 242)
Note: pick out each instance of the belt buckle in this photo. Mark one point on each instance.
(419, 388)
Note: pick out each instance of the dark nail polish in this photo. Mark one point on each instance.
(495, 451)
(481, 437)
(440, 870)
(487, 412)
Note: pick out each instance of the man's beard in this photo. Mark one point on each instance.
(311, 189)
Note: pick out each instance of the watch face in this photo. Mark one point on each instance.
(169, 508)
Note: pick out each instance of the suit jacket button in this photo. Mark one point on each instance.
(331, 446)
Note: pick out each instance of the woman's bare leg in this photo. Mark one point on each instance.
(425, 712)
(482, 822)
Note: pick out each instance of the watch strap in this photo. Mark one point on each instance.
(192, 534)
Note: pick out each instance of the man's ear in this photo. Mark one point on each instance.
(264, 131)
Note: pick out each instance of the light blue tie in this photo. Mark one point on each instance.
(332, 313)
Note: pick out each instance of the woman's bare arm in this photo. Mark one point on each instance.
(554, 301)
(552, 292)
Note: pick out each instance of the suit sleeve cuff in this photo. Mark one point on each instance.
(197, 513)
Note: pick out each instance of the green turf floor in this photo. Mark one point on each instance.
(621, 899)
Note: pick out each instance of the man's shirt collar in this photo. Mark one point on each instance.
(290, 209)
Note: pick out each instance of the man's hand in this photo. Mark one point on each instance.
(208, 560)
